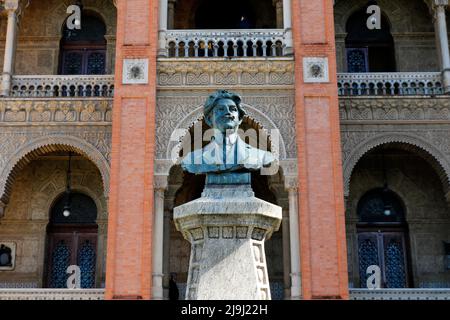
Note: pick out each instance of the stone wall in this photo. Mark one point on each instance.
(27, 215)
(427, 212)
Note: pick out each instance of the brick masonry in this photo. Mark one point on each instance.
(321, 208)
(131, 195)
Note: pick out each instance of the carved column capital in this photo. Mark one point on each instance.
(436, 5)
(291, 183)
(160, 182)
(16, 7)
(277, 3)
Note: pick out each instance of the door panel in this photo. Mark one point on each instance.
(83, 61)
(388, 251)
(394, 260)
(71, 248)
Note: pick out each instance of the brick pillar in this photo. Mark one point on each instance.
(128, 270)
(321, 200)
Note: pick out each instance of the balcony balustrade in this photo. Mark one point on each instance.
(228, 44)
(400, 294)
(62, 86)
(390, 84)
(349, 84)
(52, 294)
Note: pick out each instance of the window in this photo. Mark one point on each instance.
(84, 51)
(368, 50)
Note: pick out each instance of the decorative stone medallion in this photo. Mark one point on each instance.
(135, 71)
(315, 70)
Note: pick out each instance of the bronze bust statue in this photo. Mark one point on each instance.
(226, 152)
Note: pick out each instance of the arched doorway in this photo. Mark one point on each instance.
(72, 240)
(402, 227)
(382, 237)
(83, 52)
(369, 50)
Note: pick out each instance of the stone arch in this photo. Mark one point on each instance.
(254, 117)
(43, 145)
(406, 142)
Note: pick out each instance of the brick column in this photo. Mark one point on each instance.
(321, 201)
(129, 265)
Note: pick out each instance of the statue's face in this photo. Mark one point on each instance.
(225, 115)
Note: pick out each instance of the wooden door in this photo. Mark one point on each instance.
(85, 61)
(71, 246)
(386, 249)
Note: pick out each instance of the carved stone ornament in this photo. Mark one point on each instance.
(315, 70)
(135, 71)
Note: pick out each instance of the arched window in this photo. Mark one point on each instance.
(382, 238)
(84, 51)
(380, 206)
(72, 240)
(369, 50)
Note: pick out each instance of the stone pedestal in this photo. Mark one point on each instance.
(227, 228)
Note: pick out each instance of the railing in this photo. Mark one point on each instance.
(63, 86)
(52, 294)
(390, 84)
(400, 294)
(230, 43)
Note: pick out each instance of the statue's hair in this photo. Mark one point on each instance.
(222, 94)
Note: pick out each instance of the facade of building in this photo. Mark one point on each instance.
(363, 118)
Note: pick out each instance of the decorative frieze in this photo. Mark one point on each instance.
(92, 110)
(213, 72)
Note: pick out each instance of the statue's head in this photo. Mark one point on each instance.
(223, 111)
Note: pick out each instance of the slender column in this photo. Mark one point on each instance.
(287, 22)
(442, 37)
(171, 14)
(163, 7)
(166, 254)
(294, 244)
(278, 4)
(286, 255)
(11, 37)
(158, 241)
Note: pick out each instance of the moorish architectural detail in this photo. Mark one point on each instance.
(356, 119)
